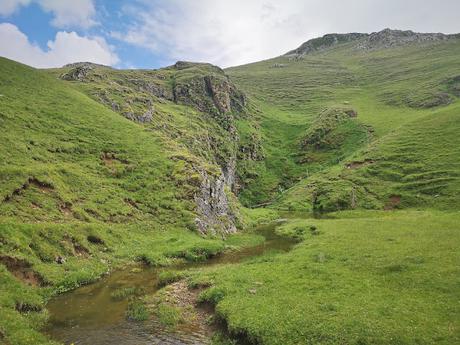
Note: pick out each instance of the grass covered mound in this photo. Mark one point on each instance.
(363, 278)
(415, 165)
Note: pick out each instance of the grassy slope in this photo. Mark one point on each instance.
(91, 164)
(380, 85)
(73, 169)
(191, 123)
(84, 155)
(367, 278)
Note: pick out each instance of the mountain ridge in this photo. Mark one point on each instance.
(385, 38)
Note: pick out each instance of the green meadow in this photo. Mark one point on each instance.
(361, 147)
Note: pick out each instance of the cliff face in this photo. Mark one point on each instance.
(214, 213)
(196, 107)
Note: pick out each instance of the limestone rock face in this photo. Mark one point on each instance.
(139, 95)
(213, 208)
(325, 42)
(208, 89)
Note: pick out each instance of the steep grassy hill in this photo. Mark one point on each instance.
(84, 190)
(401, 95)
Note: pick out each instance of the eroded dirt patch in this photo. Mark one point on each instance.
(66, 209)
(359, 164)
(22, 270)
(31, 181)
(392, 202)
(110, 159)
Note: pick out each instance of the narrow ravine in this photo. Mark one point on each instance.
(90, 316)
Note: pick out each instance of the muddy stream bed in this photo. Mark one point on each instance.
(90, 316)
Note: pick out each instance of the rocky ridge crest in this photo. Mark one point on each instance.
(386, 38)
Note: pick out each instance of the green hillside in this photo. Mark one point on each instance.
(85, 190)
(406, 101)
(346, 128)
(356, 135)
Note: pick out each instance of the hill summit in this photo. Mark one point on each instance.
(383, 39)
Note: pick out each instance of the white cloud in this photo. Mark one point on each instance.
(8, 7)
(221, 32)
(67, 47)
(70, 13)
(66, 13)
(241, 31)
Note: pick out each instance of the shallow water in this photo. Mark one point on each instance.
(90, 316)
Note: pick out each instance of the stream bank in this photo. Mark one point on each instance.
(93, 315)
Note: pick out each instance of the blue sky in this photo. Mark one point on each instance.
(156, 33)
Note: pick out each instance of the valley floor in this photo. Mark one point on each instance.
(356, 278)
(62, 257)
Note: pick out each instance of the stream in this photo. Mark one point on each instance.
(90, 316)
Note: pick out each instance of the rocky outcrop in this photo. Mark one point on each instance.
(325, 42)
(152, 88)
(391, 38)
(213, 207)
(138, 95)
(144, 117)
(138, 109)
(386, 38)
(77, 73)
(207, 88)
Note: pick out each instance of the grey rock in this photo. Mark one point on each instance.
(60, 260)
(146, 117)
(78, 73)
(325, 42)
(388, 38)
(213, 209)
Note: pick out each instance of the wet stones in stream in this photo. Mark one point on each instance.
(176, 310)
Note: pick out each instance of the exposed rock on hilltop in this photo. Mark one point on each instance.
(389, 38)
(85, 64)
(78, 71)
(386, 38)
(327, 41)
(206, 87)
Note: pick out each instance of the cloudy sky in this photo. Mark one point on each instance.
(155, 33)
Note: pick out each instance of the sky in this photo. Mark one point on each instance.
(156, 33)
